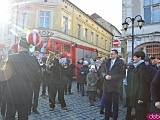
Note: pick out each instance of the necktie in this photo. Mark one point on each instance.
(111, 65)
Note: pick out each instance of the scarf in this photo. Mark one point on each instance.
(136, 64)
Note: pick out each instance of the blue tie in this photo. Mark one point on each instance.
(111, 65)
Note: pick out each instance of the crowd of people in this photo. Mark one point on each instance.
(22, 75)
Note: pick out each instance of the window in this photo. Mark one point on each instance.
(66, 48)
(24, 20)
(153, 50)
(156, 14)
(147, 15)
(155, 1)
(105, 45)
(97, 42)
(44, 19)
(151, 11)
(79, 31)
(92, 37)
(147, 2)
(9, 30)
(65, 25)
(86, 34)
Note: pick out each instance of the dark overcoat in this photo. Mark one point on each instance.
(117, 73)
(82, 77)
(57, 73)
(130, 82)
(155, 91)
(137, 88)
(21, 72)
(92, 78)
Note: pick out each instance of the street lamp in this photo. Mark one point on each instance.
(125, 26)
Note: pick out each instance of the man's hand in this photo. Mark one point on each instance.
(140, 101)
(157, 104)
(108, 77)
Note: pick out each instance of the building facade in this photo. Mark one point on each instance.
(111, 28)
(147, 38)
(60, 19)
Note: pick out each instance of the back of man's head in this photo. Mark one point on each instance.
(23, 45)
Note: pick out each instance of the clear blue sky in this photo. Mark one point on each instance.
(110, 10)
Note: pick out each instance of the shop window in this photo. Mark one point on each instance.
(153, 50)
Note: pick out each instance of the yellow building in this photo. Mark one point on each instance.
(63, 20)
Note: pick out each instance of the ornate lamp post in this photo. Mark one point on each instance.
(125, 26)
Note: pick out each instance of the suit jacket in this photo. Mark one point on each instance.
(21, 71)
(117, 73)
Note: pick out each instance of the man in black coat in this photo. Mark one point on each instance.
(129, 89)
(155, 93)
(57, 83)
(45, 76)
(69, 74)
(36, 88)
(151, 72)
(113, 72)
(20, 71)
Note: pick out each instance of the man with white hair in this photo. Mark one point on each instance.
(20, 72)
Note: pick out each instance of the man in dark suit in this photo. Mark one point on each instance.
(113, 73)
(20, 71)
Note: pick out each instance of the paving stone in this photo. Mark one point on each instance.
(78, 109)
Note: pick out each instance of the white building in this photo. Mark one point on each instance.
(148, 37)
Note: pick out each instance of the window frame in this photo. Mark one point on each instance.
(92, 37)
(24, 19)
(149, 15)
(65, 24)
(97, 40)
(44, 17)
(86, 35)
(79, 29)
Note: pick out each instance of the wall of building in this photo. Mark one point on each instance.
(57, 9)
(148, 35)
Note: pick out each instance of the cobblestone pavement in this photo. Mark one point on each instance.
(78, 109)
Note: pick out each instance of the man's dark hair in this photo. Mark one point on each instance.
(115, 51)
(139, 54)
